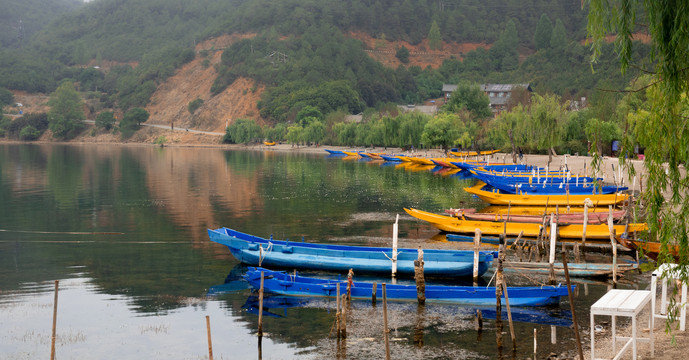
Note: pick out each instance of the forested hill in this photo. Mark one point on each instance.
(315, 61)
(20, 20)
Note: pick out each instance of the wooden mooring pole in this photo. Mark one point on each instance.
(386, 330)
(477, 247)
(373, 294)
(571, 307)
(208, 331)
(551, 259)
(419, 278)
(52, 337)
(260, 309)
(498, 296)
(613, 243)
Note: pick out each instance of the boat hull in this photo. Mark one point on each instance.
(573, 231)
(278, 282)
(256, 251)
(497, 198)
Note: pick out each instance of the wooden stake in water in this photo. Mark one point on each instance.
(498, 295)
(509, 316)
(338, 314)
(210, 344)
(613, 243)
(571, 306)
(419, 278)
(477, 247)
(535, 342)
(553, 238)
(373, 294)
(343, 323)
(386, 330)
(52, 338)
(260, 308)
(394, 246)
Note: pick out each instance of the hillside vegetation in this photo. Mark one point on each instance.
(292, 56)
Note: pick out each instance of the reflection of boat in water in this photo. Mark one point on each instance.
(233, 282)
(282, 283)
(275, 304)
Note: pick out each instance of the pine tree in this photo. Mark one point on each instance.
(434, 40)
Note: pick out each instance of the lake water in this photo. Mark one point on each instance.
(123, 229)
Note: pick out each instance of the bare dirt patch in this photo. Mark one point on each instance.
(420, 55)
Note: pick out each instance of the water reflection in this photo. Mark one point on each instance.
(124, 229)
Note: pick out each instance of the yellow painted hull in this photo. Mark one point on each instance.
(421, 160)
(574, 231)
(351, 153)
(473, 153)
(537, 210)
(269, 143)
(497, 198)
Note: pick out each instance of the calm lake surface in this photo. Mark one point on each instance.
(123, 229)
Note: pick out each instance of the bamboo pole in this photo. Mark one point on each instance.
(386, 330)
(535, 342)
(571, 307)
(210, 344)
(477, 247)
(52, 337)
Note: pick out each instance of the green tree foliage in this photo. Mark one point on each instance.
(663, 131)
(65, 115)
(131, 121)
(308, 112)
(243, 131)
(276, 133)
(295, 134)
(446, 130)
(510, 130)
(314, 132)
(105, 120)
(548, 115)
(194, 105)
(6, 97)
(29, 133)
(544, 32)
(470, 97)
(601, 134)
(558, 40)
(37, 122)
(503, 53)
(435, 41)
(19, 21)
(402, 54)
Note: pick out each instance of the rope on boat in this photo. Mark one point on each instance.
(261, 252)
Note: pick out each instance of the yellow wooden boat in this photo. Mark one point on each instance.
(421, 160)
(473, 153)
(495, 197)
(574, 231)
(269, 143)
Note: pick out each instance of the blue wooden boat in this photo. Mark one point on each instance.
(495, 167)
(282, 283)
(335, 152)
(554, 188)
(533, 178)
(254, 250)
(391, 158)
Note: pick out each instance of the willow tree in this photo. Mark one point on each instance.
(665, 132)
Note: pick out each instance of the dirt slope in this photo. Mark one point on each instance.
(169, 103)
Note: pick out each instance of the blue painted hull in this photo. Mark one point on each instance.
(282, 283)
(275, 253)
(391, 158)
(335, 152)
